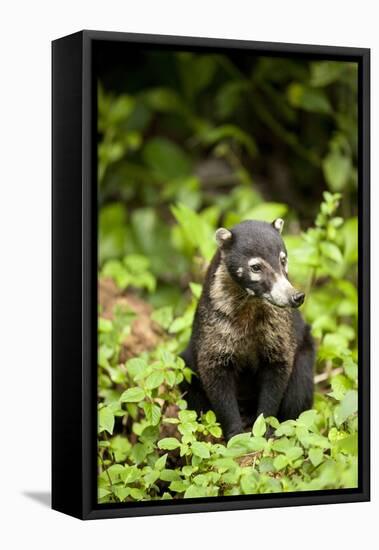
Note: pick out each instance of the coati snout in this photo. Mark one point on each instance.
(256, 258)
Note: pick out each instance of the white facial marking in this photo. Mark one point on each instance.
(255, 276)
(283, 256)
(253, 261)
(240, 271)
(251, 292)
(281, 291)
(278, 224)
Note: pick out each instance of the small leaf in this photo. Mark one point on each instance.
(259, 427)
(337, 169)
(196, 289)
(161, 462)
(200, 449)
(154, 380)
(168, 443)
(104, 325)
(280, 462)
(194, 491)
(347, 407)
(132, 395)
(106, 419)
(308, 418)
(152, 413)
(178, 486)
(331, 251)
(187, 416)
(316, 456)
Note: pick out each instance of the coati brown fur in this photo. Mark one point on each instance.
(250, 349)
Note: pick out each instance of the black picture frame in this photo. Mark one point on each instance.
(74, 274)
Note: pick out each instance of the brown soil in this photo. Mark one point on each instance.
(145, 334)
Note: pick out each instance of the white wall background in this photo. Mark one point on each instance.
(26, 31)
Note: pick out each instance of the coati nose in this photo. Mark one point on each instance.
(297, 299)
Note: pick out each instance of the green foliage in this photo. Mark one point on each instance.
(152, 447)
(210, 143)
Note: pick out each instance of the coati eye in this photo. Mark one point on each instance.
(256, 268)
(283, 260)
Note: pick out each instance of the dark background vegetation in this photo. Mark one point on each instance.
(189, 141)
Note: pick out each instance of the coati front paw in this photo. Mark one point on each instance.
(269, 432)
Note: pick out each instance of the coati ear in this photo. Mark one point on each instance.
(223, 237)
(278, 224)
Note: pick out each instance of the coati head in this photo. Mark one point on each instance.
(256, 259)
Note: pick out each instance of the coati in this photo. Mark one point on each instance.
(250, 347)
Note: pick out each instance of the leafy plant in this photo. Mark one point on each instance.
(151, 446)
(207, 142)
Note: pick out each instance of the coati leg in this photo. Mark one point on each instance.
(298, 396)
(273, 381)
(219, 385)
(213, 388)
(195, 396)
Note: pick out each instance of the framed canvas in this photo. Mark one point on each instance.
(210, 275)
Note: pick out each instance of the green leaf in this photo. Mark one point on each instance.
(132, 395)
(266, 212)
(136, 493)
(259, 427)
(136, 367)
(212, 136)
(169, 475)
(106, 419)
(166, 159)
(280, 462)
(102, 492)
(324, 73)
(215, 431)
(331, 251)
(337, 168)
(286, 428)
(196, 289)
(104, 325)
(316, 456)
(170, 377)
(178, 486)
(120, 447)
(187, 416)
(309, 99)
(240, 440)
(200, 449)
(163, 316)
(164, 100)
(308, 418)
(169, 443)
(348, 444)
(196, 230)
(195, 491)
(130, 474)
(340, 386)
(161, 462)
(282, 445)
(152, 413)
(293, 453)
(210, 417)
(347, 407)
(154, 380)
(139, 452)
